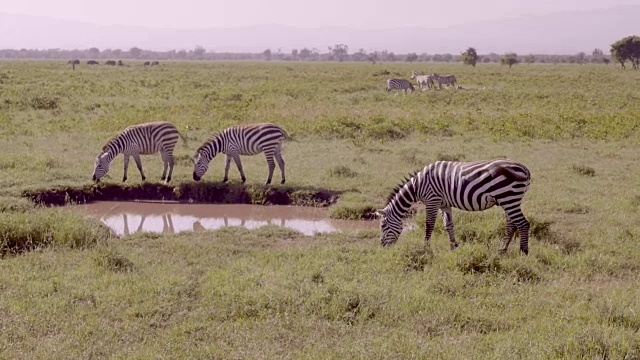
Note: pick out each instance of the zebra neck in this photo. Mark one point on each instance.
(405, 197)
(215, 146)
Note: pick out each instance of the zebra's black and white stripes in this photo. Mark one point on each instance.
(142, 139)
(242, 140)
(446, 80)
(471, 186)
(400, 84)
(423, 79)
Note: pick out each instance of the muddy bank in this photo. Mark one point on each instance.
(213, 193)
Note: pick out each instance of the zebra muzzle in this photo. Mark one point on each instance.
(196, 177)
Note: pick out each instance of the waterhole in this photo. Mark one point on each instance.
(161, 217)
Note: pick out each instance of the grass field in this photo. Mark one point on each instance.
(274, 293)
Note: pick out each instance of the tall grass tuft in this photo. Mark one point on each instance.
(23, 231)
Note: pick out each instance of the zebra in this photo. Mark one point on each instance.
(142, 139)
(400, 84)
(423, 80)
(470, 186)
(446, 79)
(242, 140)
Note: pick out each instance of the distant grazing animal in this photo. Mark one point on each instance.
(470, 186)
(74, 63)
(142, 139)
(146, 63)
(423, 80)
(120, 63)
(155, 63)
(446, 79)
(92, 62)
(400, 84)
(110, 62)
(242, 140)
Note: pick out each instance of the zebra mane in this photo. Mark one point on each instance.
(399, 186)
(107, 144)
(209, 140)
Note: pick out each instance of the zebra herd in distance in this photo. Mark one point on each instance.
(422, 80)
(110, 63)
(440, 186)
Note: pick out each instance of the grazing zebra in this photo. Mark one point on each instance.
(400, 84)
(423, 80)
(142, 139)
(470, 186)
(242, 140)
(446, 79)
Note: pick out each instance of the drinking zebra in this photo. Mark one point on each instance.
(470, 186)
(400, 84)
(142, 139)
(423, 79)
(242, 140)
(446, 79)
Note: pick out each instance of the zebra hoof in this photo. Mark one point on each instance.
(124, 179)
(282, 181)
(144, 178)
(525, 251)
(225, 180)
(168, 180)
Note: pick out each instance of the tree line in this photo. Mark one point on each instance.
(622, 51)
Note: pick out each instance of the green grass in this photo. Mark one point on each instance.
(275, 293)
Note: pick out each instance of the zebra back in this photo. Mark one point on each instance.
(147, 135)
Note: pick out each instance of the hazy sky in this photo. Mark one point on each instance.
(369, 14)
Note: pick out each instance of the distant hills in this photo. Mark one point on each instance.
(557, 33)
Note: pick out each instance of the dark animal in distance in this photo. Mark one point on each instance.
(110, 62)
(146, 63)
(92, 62)
(156, 62)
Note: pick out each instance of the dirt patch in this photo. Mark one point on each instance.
(213, 193)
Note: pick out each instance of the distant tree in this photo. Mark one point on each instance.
(94, 51)
(606, 61)
(597, 52)
(486, 59)
(116, 52)
(411, 57)
(470, 57)
(529, 59)
(447, 57)
(580, 58)
(135, 52)
(627, 49)
(339, 51)
(437, 58)
(374, 57)
(182, 54)
(267, 54)
(294, 54)
(305, 54)
(509, 59)
(199, 51)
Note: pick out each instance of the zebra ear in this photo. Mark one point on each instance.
(381, 212)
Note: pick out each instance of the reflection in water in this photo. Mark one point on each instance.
(129, 217)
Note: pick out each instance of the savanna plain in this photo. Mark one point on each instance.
(70, 289)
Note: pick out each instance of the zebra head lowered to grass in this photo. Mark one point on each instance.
(143, 139)
(470, 186)
(400, 84)
(242, 140)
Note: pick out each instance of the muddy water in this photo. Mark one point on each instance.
(130, 217)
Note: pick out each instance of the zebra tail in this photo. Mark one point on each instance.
(184, 140)
(287, 136)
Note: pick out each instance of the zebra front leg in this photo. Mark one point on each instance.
(430, 222)
(165, 163)
(236, 158)
(136, 157)
(227, 165)
(170, 162)
(447, 217)
(126, 168)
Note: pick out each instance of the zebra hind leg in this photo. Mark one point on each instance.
(170, 162)
(447, 216)
(510, 228)
(271, 165)
(523, 229)
(280, 161)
